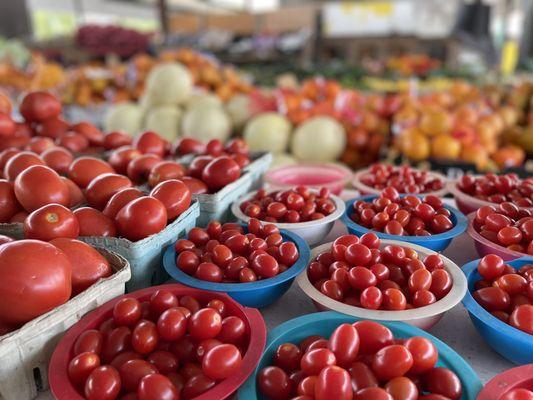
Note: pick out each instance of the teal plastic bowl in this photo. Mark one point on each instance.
(324, 323)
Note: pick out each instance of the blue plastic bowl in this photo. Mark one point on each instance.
(511, 343)
(324, 323)
(434, 242)
(254, 294)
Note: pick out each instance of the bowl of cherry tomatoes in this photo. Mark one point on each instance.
(327, 355)
(505, 230)
(405, 179)
(500, 303)
(382, 279)
(253, 263)
(513, 384)
(306, 212)
(424, 221)
(472, 192)
(166, 342)
(314, 176)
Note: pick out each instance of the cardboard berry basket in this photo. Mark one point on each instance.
(26, 352)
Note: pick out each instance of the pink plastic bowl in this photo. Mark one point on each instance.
(485, 246)
(365, 189)
(62, 388)
(515, 378)
(332, 176)
(466, 203)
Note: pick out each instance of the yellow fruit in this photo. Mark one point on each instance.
(415, 145)
(475, 154)
(509, 156)
(435, 123)
(445, 147)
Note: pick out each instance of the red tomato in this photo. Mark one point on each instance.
(40, 106)
(20, 162)
(197, 385)
(94, 223)
(127, 311)
(150, 143)
(492, 298)
(522, 318)
(392, 361)
(372, 393)
(164, 171)
(172, 324)
(188, 146)
(116, 341)
(88, 265)
(141, 218)
(103, 384)
(39, 270)
(139, 168)
(288, 357)
(91, 132)
(221, 361)
(443, 381)
(157, 387)
(76, 195)
(81, 366)
(424, 352)
(144, 338)
(491, 267)
(333, 383)
(73, 141)
(517, 394)
(196, 186)
(175, 196)
(164, 361)
(103, 187)
(84, 169)
(344, 343)
(89, 341)
(123, 358)
(233, 330)
(39, 145)
(19, 217)
(121, 157)
(58, 158)
(402, 388)
(5, 239)
(50, 222)
(38, 186)
(120, 199)
(6, 155)
(220, 172)
(114, 140)
(314, 360)
(53, 128)
(274, 383)
(132, 371)
(204, 324)
(362, 376)
(8, 202)
(198, 164)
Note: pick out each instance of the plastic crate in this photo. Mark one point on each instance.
(258, 167)
(25, 353)
(145, 255)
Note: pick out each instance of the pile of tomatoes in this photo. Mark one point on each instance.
(404, 179)
(357, 272)
(225, 253)
(506, 225)
(406, 216)
(359, 361)
(498, 188)
(164, 348)
(289, 206)
(505, 292)
(47, 274)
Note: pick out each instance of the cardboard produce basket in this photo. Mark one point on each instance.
(25, 353)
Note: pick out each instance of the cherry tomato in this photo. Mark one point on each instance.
(522, 318)
(204, 324)
(443, 381)
(81, 366)
(144, 338)
(103, 383)
(197, 385)
(391, 362)
(155, 387)
(132, 371)
(344, 343)
(424, 354)
(492, 298)
(287, 357)
(127, 312)
(373, 336)
(172, 324)
(221, 361)
(314, 361)
(117, 341)
(232, 330)
(333, 383)
(517, 394)
(274, 383)
(372, 393)
(402, 388)
(362, 376)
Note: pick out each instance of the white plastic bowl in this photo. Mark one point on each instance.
(364, 189)
(312, 232)
(423, 317)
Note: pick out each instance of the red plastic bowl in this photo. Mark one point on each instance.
(332, 176)
(62, 388)
(515, 378)
(485, 246)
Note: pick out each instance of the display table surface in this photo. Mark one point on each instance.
(455, 328)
